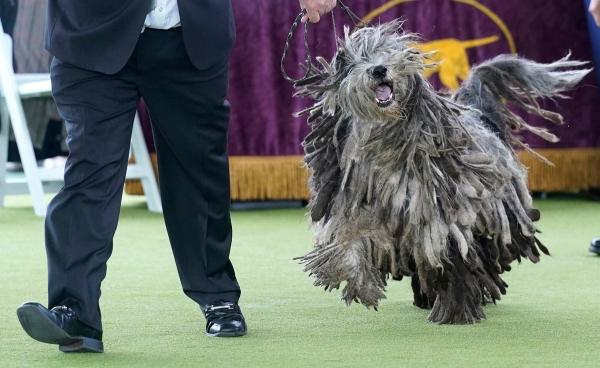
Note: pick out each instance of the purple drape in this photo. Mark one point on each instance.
(262, 122)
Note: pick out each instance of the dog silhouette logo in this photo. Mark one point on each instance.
(449, 58)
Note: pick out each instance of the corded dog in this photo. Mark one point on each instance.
(409, 182)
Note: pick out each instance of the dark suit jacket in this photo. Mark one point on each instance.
(101, 35)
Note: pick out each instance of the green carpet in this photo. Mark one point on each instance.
(550, 317)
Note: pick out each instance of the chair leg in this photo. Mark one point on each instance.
(142, 159)
(19, 124)
(4, 129)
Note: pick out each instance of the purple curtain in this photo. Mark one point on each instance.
(262, 122)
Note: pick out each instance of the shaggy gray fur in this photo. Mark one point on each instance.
(429, 186)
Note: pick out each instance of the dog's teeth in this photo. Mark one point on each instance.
(386, 102)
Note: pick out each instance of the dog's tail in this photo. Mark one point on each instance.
(506, 79)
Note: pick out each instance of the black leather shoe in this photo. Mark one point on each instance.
(224, 319)
(59, 326)
(595, 246)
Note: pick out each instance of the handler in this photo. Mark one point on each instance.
(108, 54)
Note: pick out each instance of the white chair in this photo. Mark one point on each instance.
(37, 180)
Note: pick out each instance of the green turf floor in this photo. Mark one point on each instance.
(550, 317)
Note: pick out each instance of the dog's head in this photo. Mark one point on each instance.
(376, 70)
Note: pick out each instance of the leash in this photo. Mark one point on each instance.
(308, 62)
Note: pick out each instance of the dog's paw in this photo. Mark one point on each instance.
(423, 301)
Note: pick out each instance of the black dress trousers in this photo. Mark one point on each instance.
(190, 118)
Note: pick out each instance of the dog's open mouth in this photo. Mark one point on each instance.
(384, 94)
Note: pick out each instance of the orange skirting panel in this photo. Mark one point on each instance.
(255, 178)
(574, 169)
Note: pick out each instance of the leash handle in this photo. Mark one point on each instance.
(286, 48)
(353, 17)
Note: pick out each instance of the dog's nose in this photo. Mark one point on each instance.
(379, 71)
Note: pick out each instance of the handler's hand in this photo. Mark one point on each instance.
(317, 8)
(595, 11)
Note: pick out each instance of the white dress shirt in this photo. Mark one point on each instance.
(164, 14)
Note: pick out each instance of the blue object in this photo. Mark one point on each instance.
(594, 38)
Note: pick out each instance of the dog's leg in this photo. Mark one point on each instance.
(352, 262)
(459, 297)
(421, 299)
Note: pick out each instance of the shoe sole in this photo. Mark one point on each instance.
(226, 334)
(37, 325)
(595, 250)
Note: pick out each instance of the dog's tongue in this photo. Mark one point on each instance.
(383, 92)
